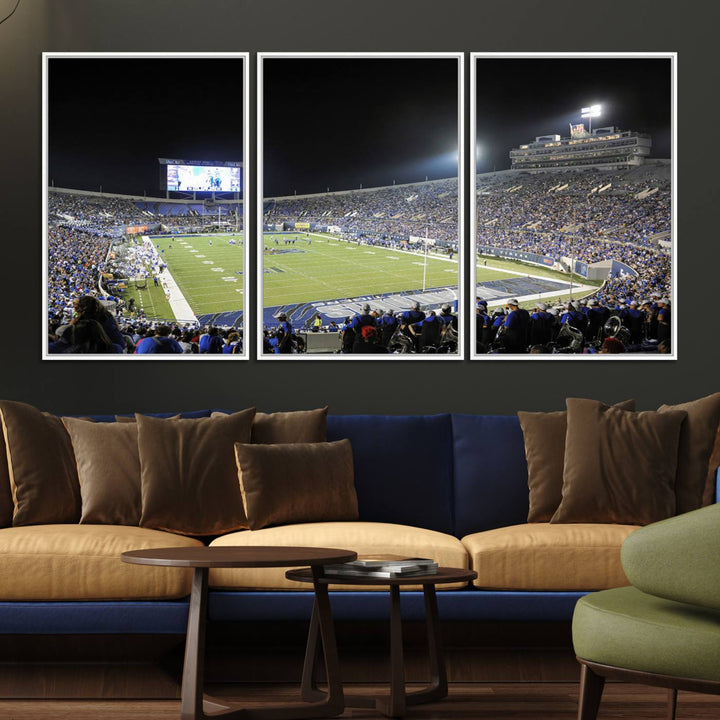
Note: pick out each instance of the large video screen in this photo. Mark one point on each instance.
(203, 178)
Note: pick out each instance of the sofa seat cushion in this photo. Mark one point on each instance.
(82, 562)
(628, 628)
(365, 538)
(544, 556)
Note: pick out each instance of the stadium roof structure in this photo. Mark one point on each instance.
(605, 147)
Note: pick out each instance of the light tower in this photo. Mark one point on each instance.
(590, 113)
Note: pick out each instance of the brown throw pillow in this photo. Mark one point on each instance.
(710, 492)
(108, 466)
(131, 418)
(544, 435)
(619, 466)
(297, 483)
(41, 466)
(6, 500)
(298, 426)
(696, 445)
(188, 473)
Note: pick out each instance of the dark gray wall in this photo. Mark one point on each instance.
(690, 28)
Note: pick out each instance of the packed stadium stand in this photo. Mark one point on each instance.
(612, 221)
(591, 216)
(89, 239)
(388, 213)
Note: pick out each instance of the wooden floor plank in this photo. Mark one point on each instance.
(476, 701)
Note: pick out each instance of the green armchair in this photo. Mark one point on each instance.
(664, 629)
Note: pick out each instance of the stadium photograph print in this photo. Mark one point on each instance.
(573, 209)
(360, 213)
(145, 206)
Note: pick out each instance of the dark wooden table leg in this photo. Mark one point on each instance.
(308, 686)
(394, 706)
(335, 703)
(438, 687)
(591, 688)
(195, 707)
(193, 670)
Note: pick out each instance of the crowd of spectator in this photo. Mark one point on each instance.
(84, 246)
(374, 331)
(618, 325)
(95, 330)
(394, 212)
(96, 214)
(589, 216)
(75, 261)
(621, 223)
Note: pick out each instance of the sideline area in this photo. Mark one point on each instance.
(178, 304)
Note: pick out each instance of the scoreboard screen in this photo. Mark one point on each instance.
(203, 178)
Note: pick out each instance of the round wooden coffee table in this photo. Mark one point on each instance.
(193, 705)
(395, 704)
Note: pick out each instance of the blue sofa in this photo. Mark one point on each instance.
(455, 474)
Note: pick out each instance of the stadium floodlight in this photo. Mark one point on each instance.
(590, 113)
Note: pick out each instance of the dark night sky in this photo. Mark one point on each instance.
(340, 122)
(519, 99)
(110, 119)
(333, 122)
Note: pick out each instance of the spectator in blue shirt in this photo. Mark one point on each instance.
(160, 343)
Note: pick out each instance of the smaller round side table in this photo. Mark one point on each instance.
(396, 703)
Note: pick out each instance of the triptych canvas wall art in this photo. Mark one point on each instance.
(367, 230)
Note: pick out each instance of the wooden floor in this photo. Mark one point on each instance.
(476, 701)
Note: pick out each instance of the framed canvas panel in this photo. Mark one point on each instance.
(360, 206)
(574, 206)
(145, 199)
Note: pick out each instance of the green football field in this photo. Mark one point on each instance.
(208, 270)
(329, 269)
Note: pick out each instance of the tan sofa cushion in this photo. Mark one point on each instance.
(82, 562)
(365, 538)
(544, 556)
